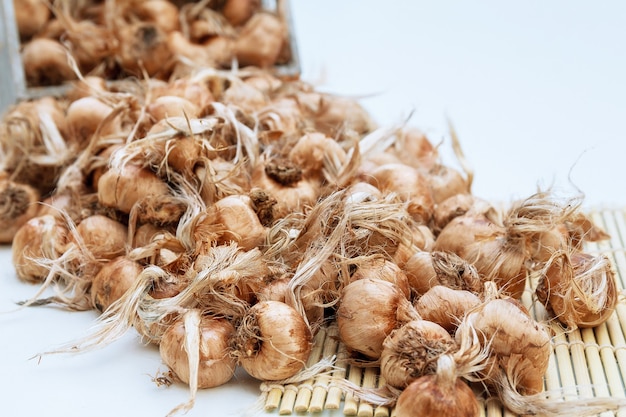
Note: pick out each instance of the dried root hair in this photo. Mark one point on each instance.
(545, 404)
(588, 290)
(538, 213)
(466, 362)
(214, 279)
(338, 227)
(121, 315)
(455, 272)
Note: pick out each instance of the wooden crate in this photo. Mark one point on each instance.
(13, 86)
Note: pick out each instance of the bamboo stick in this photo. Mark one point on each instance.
(381, 411)
(335, 394)
(369, 381)
(305, 389)
(273, 399)
(579, 360)
(564, 364)
(351, 403)
(493, 408)
(321, 385)
(594, 363)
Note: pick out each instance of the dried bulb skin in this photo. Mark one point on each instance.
(369, 310)
(112, 281)
(45, 63)
(216, 366)
(41, 237)
(428, 269)
(442, 394)
(144, 46)
(338, 116)
(446, 182)
(549, 242)
(521, 348)
(272, 342)
(88, 114)
(412, 350)
(295, 196)
(312, 149)
(241, 223)
(380, 268)
(446, 306)
(453, 206)
(410, 186)
(164, 107)
(496, 255)
(123, 188)
(413, 147)
(260, 40)
(238, 12)
(162, 13)
(276, 290)
(30, 17)
(579, 289)
(103, 237)
(18, 204)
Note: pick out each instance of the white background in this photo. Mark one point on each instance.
(536, 90)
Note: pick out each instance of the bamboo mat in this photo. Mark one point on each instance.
(584, 363)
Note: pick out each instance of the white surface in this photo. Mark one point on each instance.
(536, 90)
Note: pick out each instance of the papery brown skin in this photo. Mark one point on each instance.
(103, 237)
(89, 85)
(216, 52)
(18, 204)
(425, 270)
(122, 188)
(249, 99)
(410, 186)
(91, 44)
(567, 235)
(273, 342)
(339, 117)
(195, 91)
(86, 115)
(162, 13)
(23, 146)
(260, 40)
(412, 350)
(41, 237)
(112, 281)
(427, 397)
(238, 12)
(451, 207)
(144, 46)
(579, 289)
(446, 306)
(368, 312)
(30, 17)
(311, 149)
(216, 367)
(239, 221)
(276, 290)
(45, 63)
(380, 268)
(294, 197)
(496, 255)
(413, 148)
(446, 182)
(519, 344)
(422, 240)
(164, 107)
